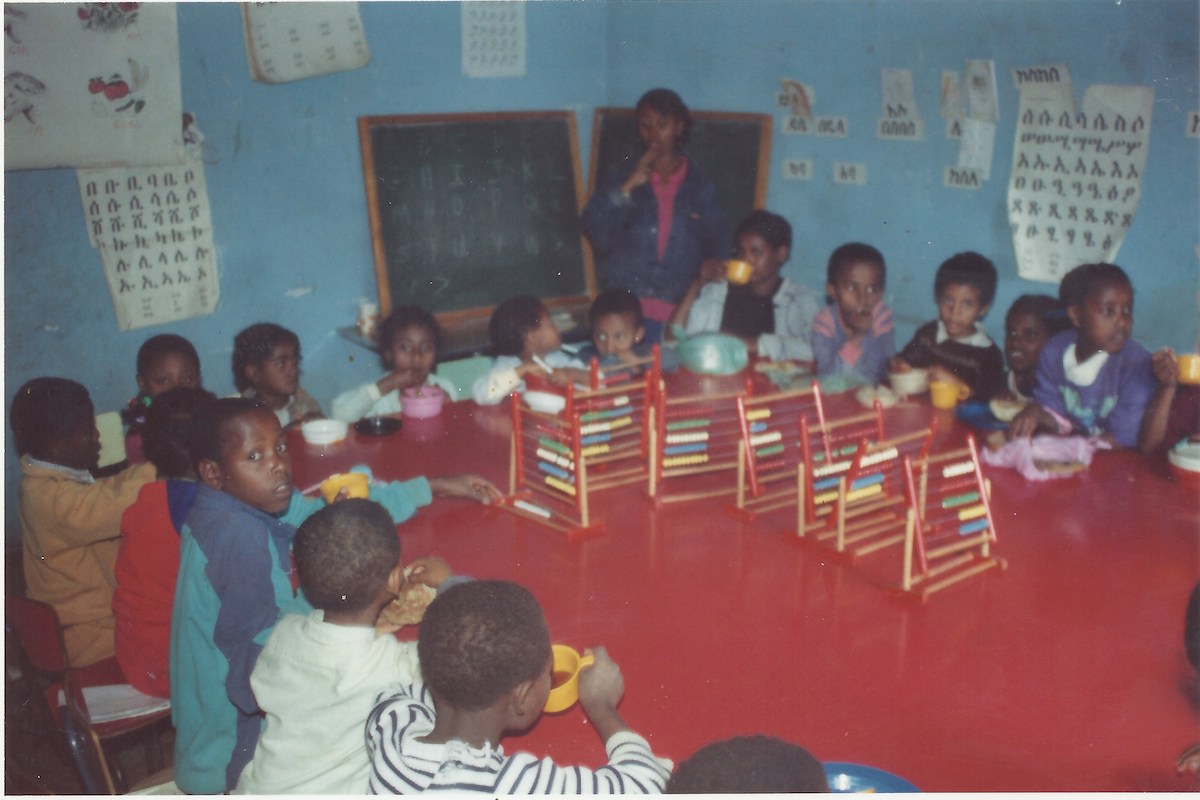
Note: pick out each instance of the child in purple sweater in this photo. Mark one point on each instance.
(853, 334)
(1093, 380)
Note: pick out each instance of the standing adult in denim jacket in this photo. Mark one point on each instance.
(654, 227)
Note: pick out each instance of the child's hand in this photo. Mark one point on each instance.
(564, 376)
(641, 171)
(711, 271)
(1029, 421)
(468, 487)
(1165, 366)
(401, 379)
(898, 364)
(601, 685)
(428, 570)
(528, 368)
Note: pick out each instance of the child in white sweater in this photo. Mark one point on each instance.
(523, 334)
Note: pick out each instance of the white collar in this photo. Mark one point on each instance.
(977, 338)
(81, 475)
(1083, 374)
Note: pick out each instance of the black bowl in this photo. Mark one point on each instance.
(377, 426)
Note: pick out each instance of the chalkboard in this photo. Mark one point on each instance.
(733, 150)
(467, 210)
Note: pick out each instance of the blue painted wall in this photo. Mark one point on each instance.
(287, 193)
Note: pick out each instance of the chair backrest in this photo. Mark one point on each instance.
(36, 627)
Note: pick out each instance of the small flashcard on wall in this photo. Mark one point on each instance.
(154, 233)
(798, 169)
(900, 119)
(798, 99)
(982, 99)
(90, 85)
(493, 39)
(1076, 176)
(851, 174)
(289, 41)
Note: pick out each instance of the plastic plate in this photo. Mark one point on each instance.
(978, 415)
(844, 777)
(377, 426)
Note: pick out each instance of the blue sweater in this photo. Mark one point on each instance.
(624, 233)
(234, 583)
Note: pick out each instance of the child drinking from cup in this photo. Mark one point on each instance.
(70, 521)
(1173, 413)
(954, 347)
(1094, 379)
(164, 362)
(526, 343)
(852, 334)
(772, 314)
(654, 226)
(266, 368)
(485, 653)
(408, 346)
(319, 675)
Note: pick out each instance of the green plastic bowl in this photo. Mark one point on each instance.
(714, 354)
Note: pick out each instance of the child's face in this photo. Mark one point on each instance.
(413, 350)
(80, 448)
(616, 334)
(1104, 320)
(658, 131)
(255, 466)
(542, 340)
(1024, 335)
(960, 308)
(278, 375)
(766, 261)
(169, 371)
(857, 291)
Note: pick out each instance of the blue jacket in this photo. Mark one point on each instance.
(623, 232)
(234, 584)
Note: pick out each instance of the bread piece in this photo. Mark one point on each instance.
(1005, 409)
(407, 609)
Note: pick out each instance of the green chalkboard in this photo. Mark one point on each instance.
(732, 149)
(467, 210)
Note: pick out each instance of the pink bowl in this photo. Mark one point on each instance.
(422, 402)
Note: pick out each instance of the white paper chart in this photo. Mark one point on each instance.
(493, 39)
(1076, 176)
(289, 41)
(154, 233)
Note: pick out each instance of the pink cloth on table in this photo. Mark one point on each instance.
(1022, 454)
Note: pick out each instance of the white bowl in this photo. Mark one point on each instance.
(545, 402)
(324, 431)
(915, 381)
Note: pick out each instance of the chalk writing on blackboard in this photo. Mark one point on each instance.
(469, 209)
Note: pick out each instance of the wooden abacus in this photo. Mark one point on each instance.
(950, 530)
(827, 454)
(692, 437)
(597, 442)
(771, 427)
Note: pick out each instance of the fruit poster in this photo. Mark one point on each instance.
(154, 233)
(289, 41)
(1076, 175)
(90, 85)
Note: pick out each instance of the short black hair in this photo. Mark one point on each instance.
(401, 319)
(512, 321)
(967, 269)
(851, 253)
(1042, 306)
(774, 229)
(46, 411)
(167, 432)
(748, 764)
(161, 345)
(208, 430)
(616, 301)
(669, 104)
(1086, 279)
(253, 345)
(344, 554)
(481, 639)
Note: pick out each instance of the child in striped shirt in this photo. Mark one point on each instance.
(485, 652)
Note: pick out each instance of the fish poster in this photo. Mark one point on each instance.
(1076, 175)
(91, 85)
(153, 229)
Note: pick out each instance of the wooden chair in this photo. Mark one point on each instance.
(950, 530)
(66, 691)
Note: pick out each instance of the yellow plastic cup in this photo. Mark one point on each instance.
(738, 271)
(1189, 368)
(564, 678)
(947, 394)
(357, 484)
